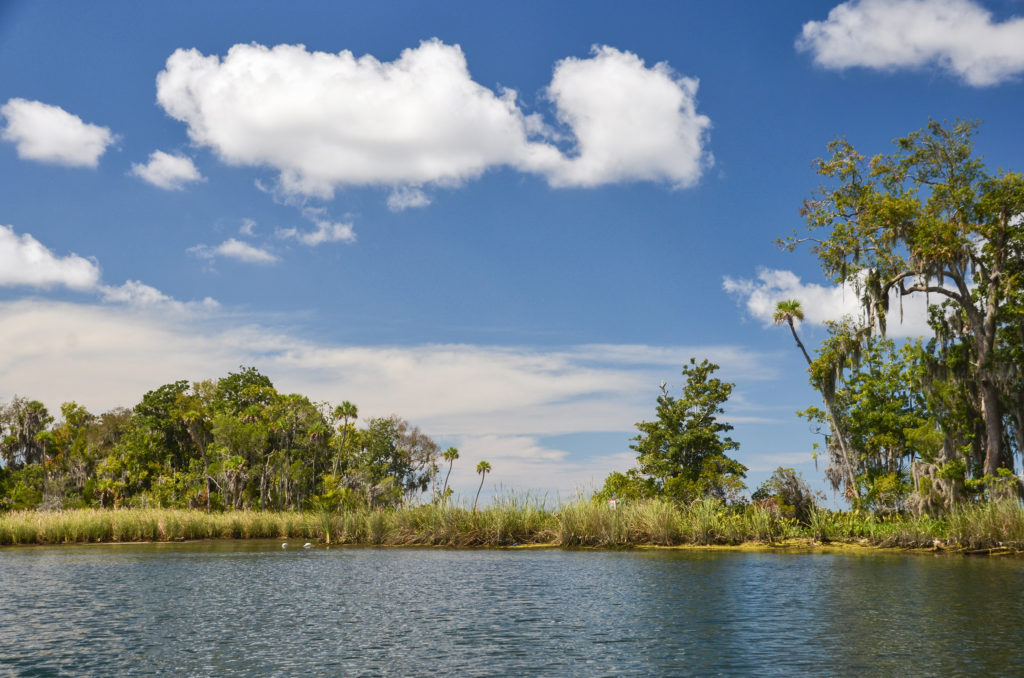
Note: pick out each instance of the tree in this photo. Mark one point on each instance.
(22, 423)
(74, 460)
(243, 389)
(682, 455)
(450, 455)
(483, 468)
(157, 419)
(823, 377)
(930, 219)
(395, 462)
(194, 409)
(347, 413)
(788, 312)
(787, 490)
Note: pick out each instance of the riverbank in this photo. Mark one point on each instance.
(995, 527)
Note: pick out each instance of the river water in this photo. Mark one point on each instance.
(252, 608)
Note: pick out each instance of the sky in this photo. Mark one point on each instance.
(507, 223)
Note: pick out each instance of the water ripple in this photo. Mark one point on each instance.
(251, 608)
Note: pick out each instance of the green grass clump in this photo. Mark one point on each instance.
(997, 524)
(659, 520)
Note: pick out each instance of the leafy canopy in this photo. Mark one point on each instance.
(682, 454)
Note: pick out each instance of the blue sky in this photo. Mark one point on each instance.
(507, 223)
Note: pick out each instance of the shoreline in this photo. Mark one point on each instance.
(796, 546)
(586, 525)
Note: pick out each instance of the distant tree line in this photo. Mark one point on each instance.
(232, 443)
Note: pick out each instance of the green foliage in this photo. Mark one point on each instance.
(929, 219)
(23, 424)
(682, 455)
(233, 443)
(395, 461)
(788, 494)
(629, 487)
(483, 468)
(886, 493)
(23, 488)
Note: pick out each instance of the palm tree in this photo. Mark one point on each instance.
(483, 468)
(346, 412)
(786, 312)
(450, 455)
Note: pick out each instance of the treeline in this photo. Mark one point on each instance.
(230, 443)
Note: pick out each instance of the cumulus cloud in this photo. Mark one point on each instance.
(166, 171)
(50, 134)
(325, 121)
(822, 303)
(958, 36)
(631, 123)
(232, 248)
(26, 261)
(325, 231)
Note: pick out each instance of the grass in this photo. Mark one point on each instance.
(522, 521)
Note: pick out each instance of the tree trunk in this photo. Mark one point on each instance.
(992, 414)
(833, 420)
(482, 476)
(792, 328)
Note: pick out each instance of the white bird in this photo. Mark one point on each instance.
(284, 545)
(307, 545)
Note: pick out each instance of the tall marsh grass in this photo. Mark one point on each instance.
(100, 525)
(524, 520)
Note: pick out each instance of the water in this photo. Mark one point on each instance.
(251, 608)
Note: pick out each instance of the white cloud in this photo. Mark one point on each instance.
(958, 36)
(325, 121)
(325, 231)
(139, 295)
(50, 134)
(232, 248)
(495, 403)
(166, 171)
(631, 123)
(25, 261)
(405, 197)
(100, 356)
(823, 303)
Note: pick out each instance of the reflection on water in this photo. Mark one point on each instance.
(252, 608)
